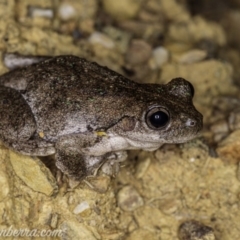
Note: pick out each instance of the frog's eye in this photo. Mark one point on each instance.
(157, 118)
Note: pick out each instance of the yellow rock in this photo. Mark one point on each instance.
(124, 9)
(33, 173)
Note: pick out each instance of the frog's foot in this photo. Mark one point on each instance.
(111, 165)
(70, 159)
(73, 159)
(71, 163)
(78, 166)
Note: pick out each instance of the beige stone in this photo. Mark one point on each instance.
(229, 148)
(4, 181)
(74, 230)
(195, 30)
(33, 173)
(142, 233)
(129, 199)
(124, 9)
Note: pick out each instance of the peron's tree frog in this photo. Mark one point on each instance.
(87, 114)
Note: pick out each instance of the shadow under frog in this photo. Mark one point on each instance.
(87, 114)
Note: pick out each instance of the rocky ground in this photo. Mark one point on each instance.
(189, 191)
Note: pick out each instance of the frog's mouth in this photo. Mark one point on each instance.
(185, 135)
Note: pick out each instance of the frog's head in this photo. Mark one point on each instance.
(167, 115)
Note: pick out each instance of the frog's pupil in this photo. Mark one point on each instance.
(159, 119)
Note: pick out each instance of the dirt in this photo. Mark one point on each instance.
(195, 184)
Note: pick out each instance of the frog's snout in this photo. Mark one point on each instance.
(193, 122)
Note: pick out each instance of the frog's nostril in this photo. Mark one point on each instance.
(191, 122)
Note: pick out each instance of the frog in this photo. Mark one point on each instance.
(87, 115)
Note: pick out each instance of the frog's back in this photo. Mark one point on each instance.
(64, 71)
(67, 94)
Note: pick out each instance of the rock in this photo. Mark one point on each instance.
(99, 183)
(229, 149)
(192, 56)
(120, 38)
(147, 216)
(74, 230)
(102, 39)
(33, 173)
(66, 11)
(160, 56)
(220, 126)
(174, 11)
(142, 233)
(194, 230)
(196, 30)
(7, 9)
(148, 31)
(83, 209)
(231, 24)
(35, 13)
(41, 39)
(54, 220)
(40, 12)
(234, 119)
(3, 174)
(169, 206)
(220, 129)
(77, 9)
(124, 9)
(142, 167)
(139, 52)
(129, 199)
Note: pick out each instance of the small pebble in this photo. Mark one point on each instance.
(40, 12)
(219, 137)
(102, 39)
(234, 120)
(124, 9)
(81, 207)
(221, 126)
(99, 183)
(142, 167)
(54, 220)
(220, 129)
(194, 230)
(238, 172)
(229, 149)
(160, 55)
(66, 11)
(139, 52)
(120, 38)
(192, 56)
(129, 199)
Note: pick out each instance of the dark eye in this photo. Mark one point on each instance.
(157, 118)
(191, 88)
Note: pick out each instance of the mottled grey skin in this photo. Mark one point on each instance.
(86, 114)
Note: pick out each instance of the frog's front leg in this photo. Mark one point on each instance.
(111, 165)
(74, 158)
